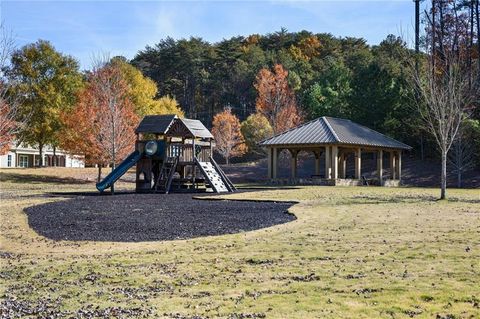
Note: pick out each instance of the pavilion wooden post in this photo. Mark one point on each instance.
(343, 165)
(328, 159)
(334, 162)
(393, 166)
(380, 166)
(274, 162)
(340, 164)
(269, 162)
(293, 164)
(317, 162)
(399, 166)
(358, 163)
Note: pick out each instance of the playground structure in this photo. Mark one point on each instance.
(172, 154)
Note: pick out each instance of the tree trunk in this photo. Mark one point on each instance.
(478, 35)
(417, 32)
(227, 160)
(459, 178)
(99, 177)
(40, 151)
(112, 188)
(422, 153)
(470, 43)
(443, 179)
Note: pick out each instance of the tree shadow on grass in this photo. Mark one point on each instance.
(405, 199)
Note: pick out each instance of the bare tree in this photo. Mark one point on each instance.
(445, 95)
(444, 99)
(461, 156)
(9, 103)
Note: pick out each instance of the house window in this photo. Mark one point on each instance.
(23, 162)
(9, 161)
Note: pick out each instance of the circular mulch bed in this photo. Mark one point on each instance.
(148, 217)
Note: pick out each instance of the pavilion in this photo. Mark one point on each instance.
(338, 140)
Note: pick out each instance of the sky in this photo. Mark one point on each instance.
(85, 29)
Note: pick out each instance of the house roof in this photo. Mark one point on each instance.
(330, 130)
(155, 124)
(163, 124)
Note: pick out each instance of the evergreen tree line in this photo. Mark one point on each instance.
(330, 76)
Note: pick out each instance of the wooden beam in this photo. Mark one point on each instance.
(343, 165)
(358, 163)
(318, 154)
(328, 166)
(274, 162)
(293, 165)
(334, 162)
(269, 163)
(399, 165)
(393, 168)
(380, 166)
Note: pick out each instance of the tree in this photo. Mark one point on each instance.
(462, 155)
(166, 105)
(10, 125)
(48, 82)
(229, 141)
(102, 125)
(329, 96)
(444, 101)
(255, 129)
(444, 90)
(276, 100)
(142, 91)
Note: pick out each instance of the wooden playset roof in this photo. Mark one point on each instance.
(330, 130)
(172, 125)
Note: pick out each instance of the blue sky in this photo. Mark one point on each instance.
(86, 28)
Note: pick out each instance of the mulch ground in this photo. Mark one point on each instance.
(150, 217)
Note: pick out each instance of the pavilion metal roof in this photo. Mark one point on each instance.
(330, 130)
(161, 124)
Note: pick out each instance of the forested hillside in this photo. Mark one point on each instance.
(342, 77)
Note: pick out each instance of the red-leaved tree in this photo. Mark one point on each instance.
(276, 100)
(10, 124)
(229, 141)
(102, 125)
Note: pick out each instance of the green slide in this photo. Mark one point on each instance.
(121, 169)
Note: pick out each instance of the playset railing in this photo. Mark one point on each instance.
(185, 152)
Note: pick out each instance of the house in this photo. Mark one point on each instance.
(26, 156)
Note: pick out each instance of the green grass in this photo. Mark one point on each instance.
(352, 253)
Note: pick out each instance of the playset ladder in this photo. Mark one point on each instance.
(165, 177)
(213, 176)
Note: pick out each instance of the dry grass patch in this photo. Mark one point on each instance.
(352, 253)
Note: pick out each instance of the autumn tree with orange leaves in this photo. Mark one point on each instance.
(102, 125)
(276, 100)
(228, 136)
(9, 123)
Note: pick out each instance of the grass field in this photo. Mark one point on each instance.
(352, 253)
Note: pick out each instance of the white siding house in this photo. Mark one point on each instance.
(27, 156)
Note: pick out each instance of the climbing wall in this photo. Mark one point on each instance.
(213, 177)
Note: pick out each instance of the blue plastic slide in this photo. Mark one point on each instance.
(121, 169)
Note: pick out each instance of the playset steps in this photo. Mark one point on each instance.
(165, 177)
